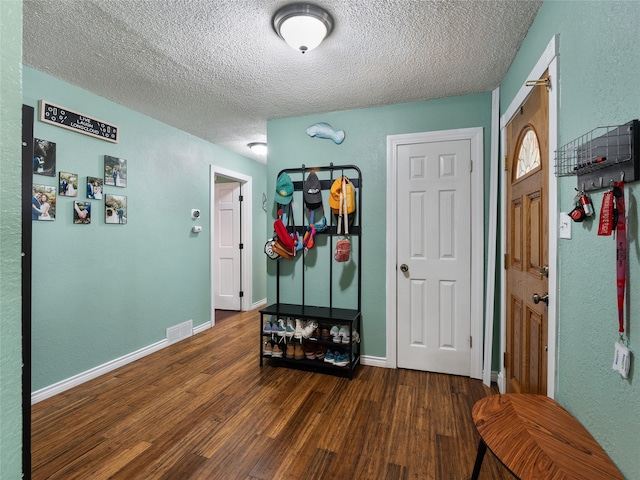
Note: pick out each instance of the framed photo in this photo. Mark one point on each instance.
(43, 202)
(68, 186)
(115, 209)
(82, 212)
(44, 157)
(115, 171)
(94, 188)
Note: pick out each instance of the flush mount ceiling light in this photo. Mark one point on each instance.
(259, 148)
(302, 25)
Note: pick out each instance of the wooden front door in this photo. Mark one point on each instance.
(527, 245)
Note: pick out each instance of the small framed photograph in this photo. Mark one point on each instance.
(44, 157)
(115, 209)
(115, 171)
(81, 212)
(43, 202)
(68, 186)
(94, 188)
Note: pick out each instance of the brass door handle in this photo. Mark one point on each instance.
(544, 298)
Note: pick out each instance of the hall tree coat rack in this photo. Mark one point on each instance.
(325, 314)
(602, 156)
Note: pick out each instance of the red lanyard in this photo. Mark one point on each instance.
(612, 218)
(621, 251)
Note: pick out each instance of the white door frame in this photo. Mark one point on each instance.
(475, 135)
(246, 235)
(548, 60)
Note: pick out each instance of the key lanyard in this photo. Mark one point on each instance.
(621, 251)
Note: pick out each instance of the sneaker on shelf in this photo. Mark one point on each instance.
(267, 350)
(277, 351)
(355, 336)
(266, 328)
(329, 357)
(298, 329)
(335, 330)
(289, 330)
(344, 334)
(309, 328)
(298, 352)
(341, 360)
(281, 328)
(310, 351)
(289, 350)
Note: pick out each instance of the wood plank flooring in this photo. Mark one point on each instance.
(204, 409)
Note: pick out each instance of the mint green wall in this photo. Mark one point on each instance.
(365, 145)
(599, 72)
(10, 240)
(103, 291)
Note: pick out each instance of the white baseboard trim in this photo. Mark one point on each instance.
(202, 328)
(259, 303)
(68, 383)
(373, 361)
(502, 383)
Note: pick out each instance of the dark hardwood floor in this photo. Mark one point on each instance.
(204, 409)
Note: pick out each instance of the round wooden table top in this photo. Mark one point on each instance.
(535, 438)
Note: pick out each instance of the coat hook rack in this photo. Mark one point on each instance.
(602, 154)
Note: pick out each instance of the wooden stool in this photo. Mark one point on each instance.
(535, 438)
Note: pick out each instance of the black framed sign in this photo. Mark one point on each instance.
(78, 122)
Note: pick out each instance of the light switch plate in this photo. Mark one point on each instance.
(564, 226)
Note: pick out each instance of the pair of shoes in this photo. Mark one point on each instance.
(321, 351)
(310, 351)
(267, 350)
(341, 359)
(276, 351)
(340, 334)
(309, 328)
(289, 330)
(289, 350)
(281, 329)
(269, 327)
(329, 357)
(298, 352)
(324, 332)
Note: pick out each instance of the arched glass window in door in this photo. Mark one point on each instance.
(529, 154)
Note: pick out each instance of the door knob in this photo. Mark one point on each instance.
(544, 298)
(544, 271)
(404, 267)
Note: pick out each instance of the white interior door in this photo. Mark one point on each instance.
(434, 243)
(227, 252)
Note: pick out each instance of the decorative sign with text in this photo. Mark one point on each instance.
(78, 122)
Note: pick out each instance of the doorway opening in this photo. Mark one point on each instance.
(239, 267)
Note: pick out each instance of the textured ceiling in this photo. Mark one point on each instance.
(217, 70)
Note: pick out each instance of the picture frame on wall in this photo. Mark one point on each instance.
(81, 213)
(94, 188)
(68, 184)
(115, 171)
(115, 209)
(44, 157)
(43, 202)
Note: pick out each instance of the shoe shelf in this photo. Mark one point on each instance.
(311, 338)
(344, 322)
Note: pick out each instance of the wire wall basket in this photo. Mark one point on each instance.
(601, 156)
